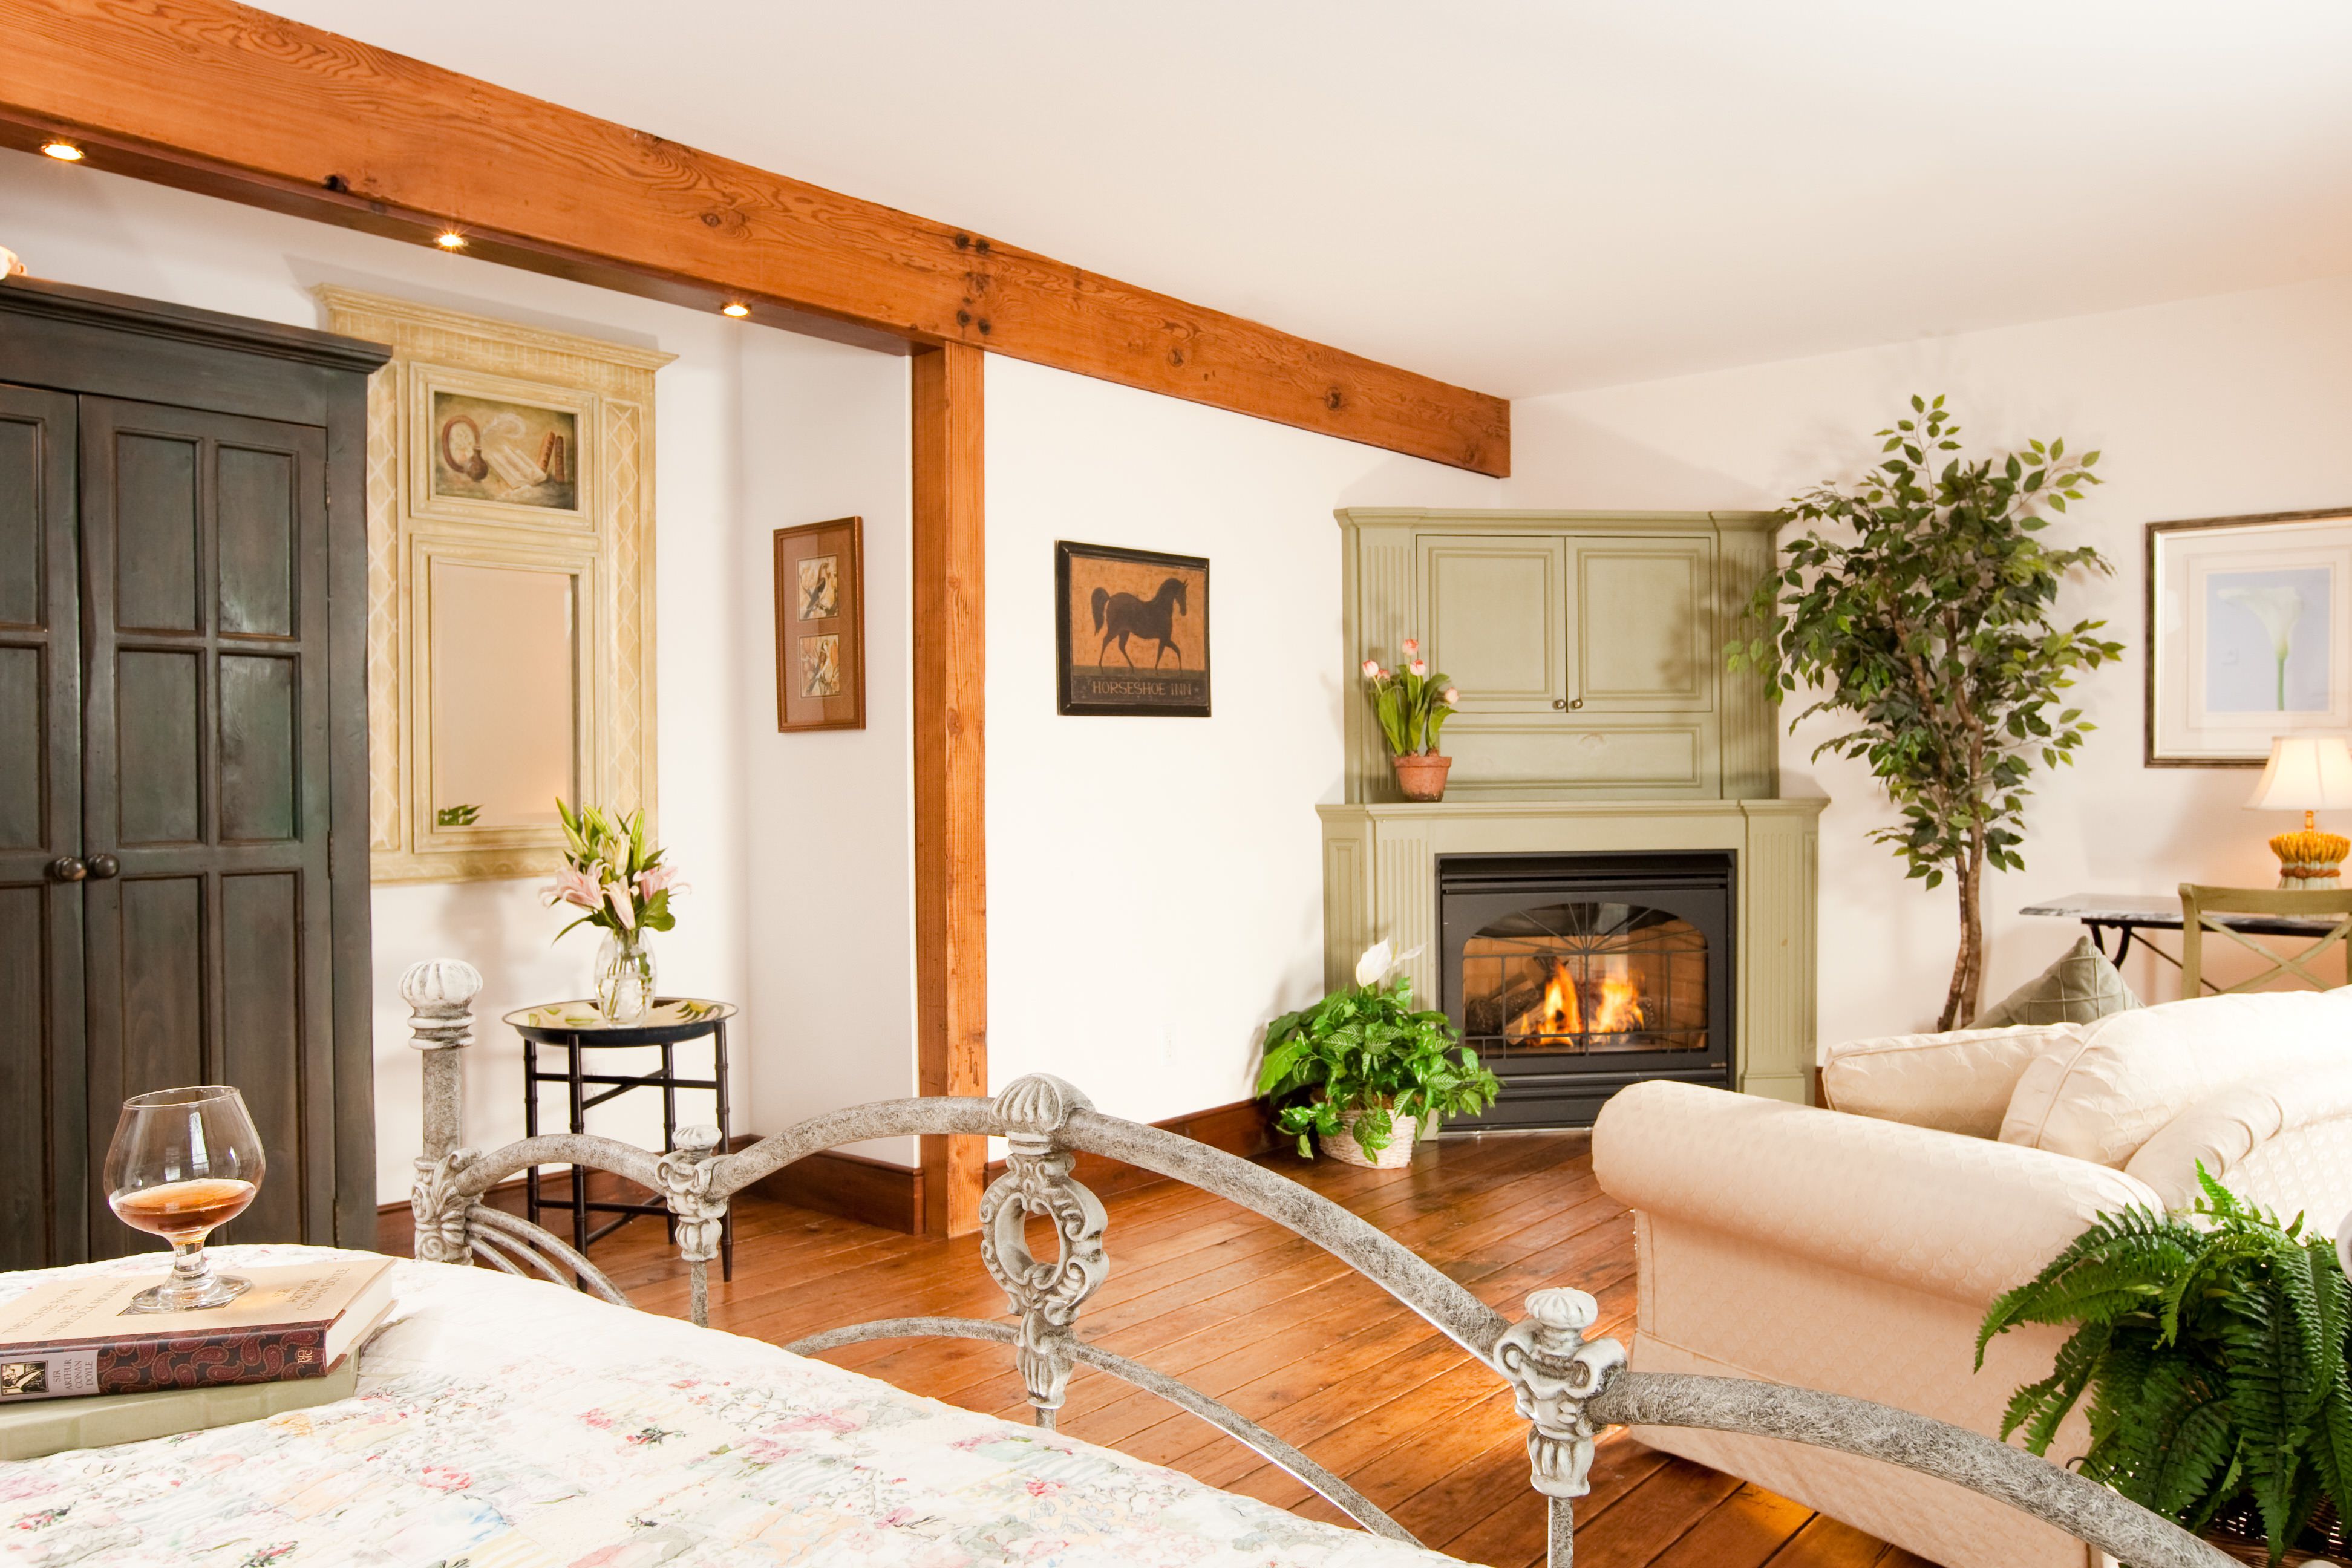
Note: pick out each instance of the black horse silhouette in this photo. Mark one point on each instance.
(1119, 616)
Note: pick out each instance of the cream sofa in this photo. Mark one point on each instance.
(1856, 1250)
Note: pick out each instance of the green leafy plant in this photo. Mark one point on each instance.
(1412, 705)
(611, 873)
(1365, 1052)
(456, 816)
(1929, 620)
(2213, 1348)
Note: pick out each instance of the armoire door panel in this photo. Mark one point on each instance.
(1645, 625)
(25, 1005)
(21, 546)
(1494, 618)
(261, 946)
(260, 749)
(205, 774)
(157, 543)
(257, 558)
(42, 1069)
(159, 718)
(24, 748)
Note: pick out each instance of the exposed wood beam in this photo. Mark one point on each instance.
(220, 98)
(951, 794)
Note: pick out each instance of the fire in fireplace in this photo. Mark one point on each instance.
(1574, 975)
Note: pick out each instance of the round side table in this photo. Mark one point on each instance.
(576, 1028)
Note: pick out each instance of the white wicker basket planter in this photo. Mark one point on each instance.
(1404, 1132)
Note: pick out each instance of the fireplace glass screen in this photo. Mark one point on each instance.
(1586, 977)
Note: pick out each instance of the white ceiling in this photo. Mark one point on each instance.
(1521, 196)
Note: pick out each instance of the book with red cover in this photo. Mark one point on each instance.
(74, 1336)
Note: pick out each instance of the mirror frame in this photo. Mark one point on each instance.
(605, 540)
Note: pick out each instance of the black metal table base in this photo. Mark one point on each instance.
(577, 1081)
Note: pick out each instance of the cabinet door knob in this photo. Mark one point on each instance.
(67, 869)
(1561, 703)
(1578, 703)
(101, 867)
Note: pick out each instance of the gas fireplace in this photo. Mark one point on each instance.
(1574, 975)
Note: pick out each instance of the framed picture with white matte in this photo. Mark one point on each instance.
(2249, 635)
(821, 626)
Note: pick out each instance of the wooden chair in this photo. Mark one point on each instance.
(2199, 905)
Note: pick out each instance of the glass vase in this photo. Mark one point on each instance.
(624, 978)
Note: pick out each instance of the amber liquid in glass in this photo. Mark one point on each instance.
(177, 1210)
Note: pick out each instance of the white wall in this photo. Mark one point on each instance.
(751, 434)
(2223, 406)
(829, 814)
(1155, 884)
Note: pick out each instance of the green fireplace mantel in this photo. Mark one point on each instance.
(1379, 880)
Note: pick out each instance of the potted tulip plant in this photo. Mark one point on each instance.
(1366, 1073)
(1413, 706)
(613, 874)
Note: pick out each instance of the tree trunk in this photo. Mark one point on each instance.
(1962, 1002)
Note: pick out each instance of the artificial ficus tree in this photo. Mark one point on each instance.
(1924, 616)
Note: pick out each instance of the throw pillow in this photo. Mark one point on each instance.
(2080, 988)
(1960, 1082)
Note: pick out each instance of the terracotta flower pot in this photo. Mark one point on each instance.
(1421, 777)
(1403, 1132)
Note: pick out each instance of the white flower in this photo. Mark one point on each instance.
(2277, 609)
(1420, 667)
(1381, 960)
(1451, 697)
(1371, 669)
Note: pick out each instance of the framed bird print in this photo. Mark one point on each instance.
(2249, 635)
(821, 626)
(1132, 631)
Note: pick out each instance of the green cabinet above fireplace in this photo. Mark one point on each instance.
(1588, 647)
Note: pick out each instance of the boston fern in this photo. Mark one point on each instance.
(2214, 1350)
(1367, 1050)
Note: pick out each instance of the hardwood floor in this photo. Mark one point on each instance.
(1283, 1332)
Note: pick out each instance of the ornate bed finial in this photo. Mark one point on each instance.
(1554, 1372)
(443, 1233)
(1037, 1180)
(686, 1173)
(440, 994)
(1036, 1107)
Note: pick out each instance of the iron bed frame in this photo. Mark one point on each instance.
(1568, 1388)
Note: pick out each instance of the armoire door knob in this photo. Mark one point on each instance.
(101, 867)
(67, 869)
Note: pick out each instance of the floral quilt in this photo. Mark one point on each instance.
(504, 1423)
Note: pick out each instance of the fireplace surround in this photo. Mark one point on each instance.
(1613, 887)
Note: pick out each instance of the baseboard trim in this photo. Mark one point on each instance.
(877, 1193)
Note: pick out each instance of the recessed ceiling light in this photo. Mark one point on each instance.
(64, 152)
(450, 240)
(735, 308)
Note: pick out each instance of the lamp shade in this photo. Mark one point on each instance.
(2306, 773)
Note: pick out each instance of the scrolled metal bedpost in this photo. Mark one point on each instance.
(440, 994)
(1553, 1372)
(686, 1173)
(1038, 1181)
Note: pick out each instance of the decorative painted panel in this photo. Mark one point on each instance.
(1751, 720)
(1595, 756)
(509, 446)
(1496, 617)
(1644, 641)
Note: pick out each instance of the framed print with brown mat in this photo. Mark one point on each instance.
(1132, 631)
(821, 626)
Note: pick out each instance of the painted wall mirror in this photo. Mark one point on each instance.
(510, 529)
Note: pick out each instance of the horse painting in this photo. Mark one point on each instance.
(1119, 616)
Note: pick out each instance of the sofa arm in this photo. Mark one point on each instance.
(1964, 1219)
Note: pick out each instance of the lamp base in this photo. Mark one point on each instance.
(2311, 860)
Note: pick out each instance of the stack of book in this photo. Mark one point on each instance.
(79, 1371)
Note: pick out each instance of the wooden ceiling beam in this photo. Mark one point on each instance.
(220, 98)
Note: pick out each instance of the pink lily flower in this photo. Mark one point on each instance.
(622, 910)
(573, 886)
(657, 878)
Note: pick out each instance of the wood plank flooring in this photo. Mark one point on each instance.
(1283, 1332)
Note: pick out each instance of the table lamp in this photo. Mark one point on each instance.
(2307, 773)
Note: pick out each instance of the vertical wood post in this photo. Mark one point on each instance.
(950, 824)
